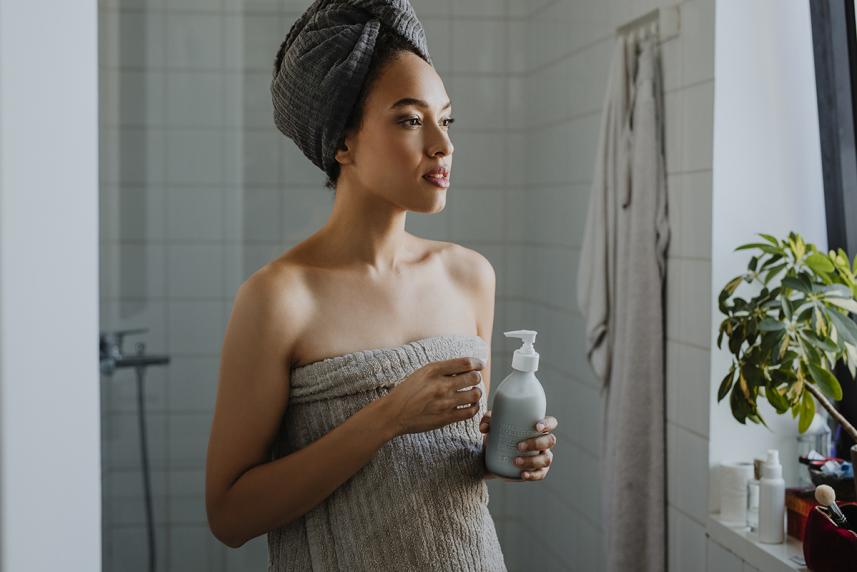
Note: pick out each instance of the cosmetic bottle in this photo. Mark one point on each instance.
(753, 497)
(772, 500)
(519, 403)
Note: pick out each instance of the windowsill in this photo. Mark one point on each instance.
(783, 557)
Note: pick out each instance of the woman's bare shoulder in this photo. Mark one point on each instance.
(468, 267)
(279, 288)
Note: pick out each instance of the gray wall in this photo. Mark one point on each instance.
(556, 93)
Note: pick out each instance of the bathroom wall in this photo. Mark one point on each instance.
(561, 55)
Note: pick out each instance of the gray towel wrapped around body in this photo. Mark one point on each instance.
(320, 67)
(421, 503)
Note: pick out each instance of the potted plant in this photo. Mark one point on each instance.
(787, 338)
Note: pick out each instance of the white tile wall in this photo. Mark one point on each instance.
(555, 94)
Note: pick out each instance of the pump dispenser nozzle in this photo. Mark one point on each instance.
(525, 358)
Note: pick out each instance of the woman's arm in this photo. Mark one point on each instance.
(274, 494)
(246, 494)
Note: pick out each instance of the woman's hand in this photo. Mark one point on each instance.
(533, 467)
(433, 396)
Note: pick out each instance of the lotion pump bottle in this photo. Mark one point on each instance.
(519, 403)
(772, 500)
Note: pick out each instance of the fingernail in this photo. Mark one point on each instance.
(522, 446)
(540, 427)
(526, 475)
(519, 461)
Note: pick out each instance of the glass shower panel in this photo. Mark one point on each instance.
(198, 190)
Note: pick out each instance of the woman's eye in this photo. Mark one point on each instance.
(447, 121)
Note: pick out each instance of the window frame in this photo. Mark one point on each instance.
(834, 39)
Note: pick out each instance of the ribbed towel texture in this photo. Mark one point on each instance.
(420, 503)
(321, 66)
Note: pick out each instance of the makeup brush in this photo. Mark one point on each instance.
(826, 496)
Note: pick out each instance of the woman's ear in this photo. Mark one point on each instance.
(345, 150)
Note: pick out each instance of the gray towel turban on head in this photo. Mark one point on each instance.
(321, 65)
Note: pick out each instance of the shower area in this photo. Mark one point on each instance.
(198, 189)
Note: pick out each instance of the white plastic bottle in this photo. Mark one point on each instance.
(772, 500)
(519, 403)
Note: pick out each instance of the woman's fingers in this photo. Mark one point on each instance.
(536, 475)
(485, 422)
(539, 443)
(547, 425)
(534, 462)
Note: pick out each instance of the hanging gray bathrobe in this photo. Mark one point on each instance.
(620, 293)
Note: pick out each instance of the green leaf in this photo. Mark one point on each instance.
(735, 342)
(776, 399)
(844, 325)
(772, 259)
(851, 358)
(771, 325)
(759, 245)
(807, 411)
(770, 238)
(836, 291)
(786, 305)
(848, 304)
(805, 310)
(773, 271)
(738, 404)
(726, 384)
(819, 263)
(752, 375)
(824, 344)
(784, 345)
(730, 287)
(770, 342)
(826, 381)
(753, 263)
(796, 284)
(756, 417)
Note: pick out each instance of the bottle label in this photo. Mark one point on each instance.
(508, 438)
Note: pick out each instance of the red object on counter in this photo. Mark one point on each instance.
(827, 547)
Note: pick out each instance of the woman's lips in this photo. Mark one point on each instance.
(442, 182)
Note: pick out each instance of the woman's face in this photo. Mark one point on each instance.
(400, 138)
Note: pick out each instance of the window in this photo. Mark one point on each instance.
(834, 38)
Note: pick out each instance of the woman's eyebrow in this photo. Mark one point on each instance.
(405, 101)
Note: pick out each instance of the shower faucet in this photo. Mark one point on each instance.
(113, 357)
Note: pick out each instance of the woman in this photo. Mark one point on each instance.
(352, 458)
